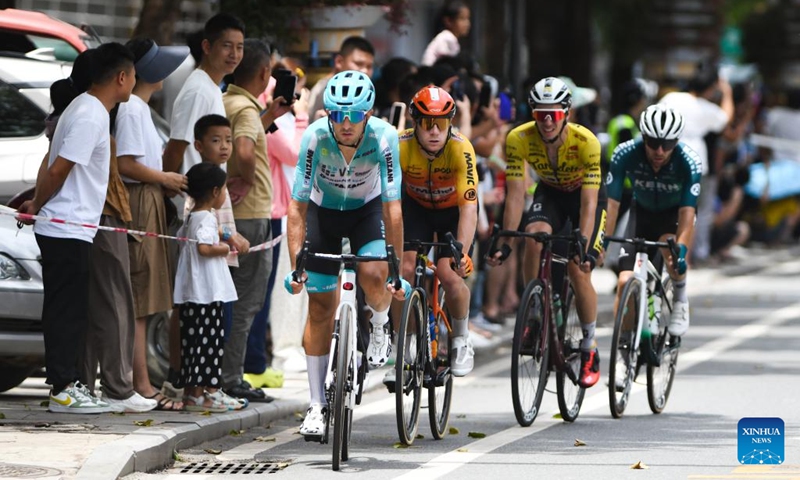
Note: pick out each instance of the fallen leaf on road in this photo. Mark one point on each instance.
(118, 414)
(143, 423)
(44, 403)
(462, 450)
(419, 435)
(235, 433)
(2, 415)
(454, 431)
(476, 435)
(206, 413)
(212, 451)
(400, 445)
(265, 439)
(557, 415)
(461, 415)
(639, 466)
(579, 443)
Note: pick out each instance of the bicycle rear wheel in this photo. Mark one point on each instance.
(623, 358)
(570, 394)
(340, 421)
(661, 376)
(529, 354)
(440, 384)
(410, 366)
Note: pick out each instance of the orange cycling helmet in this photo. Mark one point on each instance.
(432, 101)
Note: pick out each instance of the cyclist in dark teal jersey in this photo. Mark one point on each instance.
(666, 185)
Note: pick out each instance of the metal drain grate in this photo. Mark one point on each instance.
(231, 468)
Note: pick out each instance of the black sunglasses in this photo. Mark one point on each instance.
(654, 143)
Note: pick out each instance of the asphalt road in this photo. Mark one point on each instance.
(740, 359)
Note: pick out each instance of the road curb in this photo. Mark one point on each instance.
(149, 449)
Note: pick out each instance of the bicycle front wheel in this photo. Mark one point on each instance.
(440, 382)
(623, 358)
(570, 394)
(343, 362)
(410, 366)
(661, 376)
(529, 354)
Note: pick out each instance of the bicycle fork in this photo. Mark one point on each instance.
(347, 300)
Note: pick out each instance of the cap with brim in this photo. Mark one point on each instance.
(580, 96)
(159, 62)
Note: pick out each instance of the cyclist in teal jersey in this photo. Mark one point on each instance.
(666, 185)
(347, 184)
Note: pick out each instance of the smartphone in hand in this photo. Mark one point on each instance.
(397, 115)
(285, 84)
(506, 112)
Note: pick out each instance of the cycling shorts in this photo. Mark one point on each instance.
(649, 225)
(420, 223)
(325, 229)
(557, 207)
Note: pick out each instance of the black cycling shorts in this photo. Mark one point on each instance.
(556, 208)
(420, 223)
(649, 225)
(325, 229)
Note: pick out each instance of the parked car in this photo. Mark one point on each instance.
(37, 35)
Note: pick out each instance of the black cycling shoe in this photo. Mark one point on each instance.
(244, 390)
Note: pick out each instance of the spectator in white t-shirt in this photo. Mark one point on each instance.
(223, 46)
(73, 187)
(139, 151)
(784, 122)
(703, 116)
(454, 23)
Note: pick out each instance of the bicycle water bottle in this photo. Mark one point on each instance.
(559, 312)
(654, 312)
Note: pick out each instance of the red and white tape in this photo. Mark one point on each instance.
(39, 218)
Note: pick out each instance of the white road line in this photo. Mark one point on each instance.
(450, 461)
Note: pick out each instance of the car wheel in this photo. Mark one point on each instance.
(11, 375)
(158, 348)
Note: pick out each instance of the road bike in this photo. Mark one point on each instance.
(640, 329)
(547, 332)
(423, 347)
(347, 367)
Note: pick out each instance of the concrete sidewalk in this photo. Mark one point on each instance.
(38, 444)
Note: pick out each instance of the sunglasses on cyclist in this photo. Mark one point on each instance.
(338, 116)
(555, 115)
(654, 143)
(427, 123)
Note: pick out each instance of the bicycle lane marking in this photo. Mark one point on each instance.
(450, 461)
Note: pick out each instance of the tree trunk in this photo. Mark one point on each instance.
(157, 20)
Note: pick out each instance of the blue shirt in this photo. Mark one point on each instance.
(676, 184)
(323, 177)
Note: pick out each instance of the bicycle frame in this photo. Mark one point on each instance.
(347, 300)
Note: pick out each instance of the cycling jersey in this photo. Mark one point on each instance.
(578, 163)
(323, 177)
(448, 180)
(676, 184)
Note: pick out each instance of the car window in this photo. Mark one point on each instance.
(37, 46)
(21, 117)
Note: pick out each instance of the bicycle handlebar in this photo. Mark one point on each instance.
(574, 238)
(454, 245)
(305, 254)
(641, 243)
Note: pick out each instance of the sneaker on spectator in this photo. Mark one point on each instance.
(481, 322)
(75, 398)
(133, 404)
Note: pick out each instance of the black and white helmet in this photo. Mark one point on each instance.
(548, 91)
(660, 121)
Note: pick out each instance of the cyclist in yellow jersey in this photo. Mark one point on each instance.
(440, 195)
(566, 158)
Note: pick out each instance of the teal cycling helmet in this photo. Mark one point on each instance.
(349, 91)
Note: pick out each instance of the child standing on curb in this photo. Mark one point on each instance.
(203, 283)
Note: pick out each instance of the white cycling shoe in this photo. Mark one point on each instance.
(679, 320)
(462, 356)
(314, 423)
(380, 346)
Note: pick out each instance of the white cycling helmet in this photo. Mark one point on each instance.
(661, 121)
(550, 90)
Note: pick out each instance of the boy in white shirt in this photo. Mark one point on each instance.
(73, 187)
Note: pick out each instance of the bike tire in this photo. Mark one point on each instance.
(660, 377)
(410, 366)
(440, 385)
(623, 359)
(529, 364)
(570, 394)
(343, 356)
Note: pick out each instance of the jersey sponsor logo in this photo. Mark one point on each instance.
(309, 158)
(470, 195)
(470, 169)
(657, 186)
(609, 178)
(695, 189)
(387, 155)
(537, 207)
(367, 153)
(442, 170)
(391, 193)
